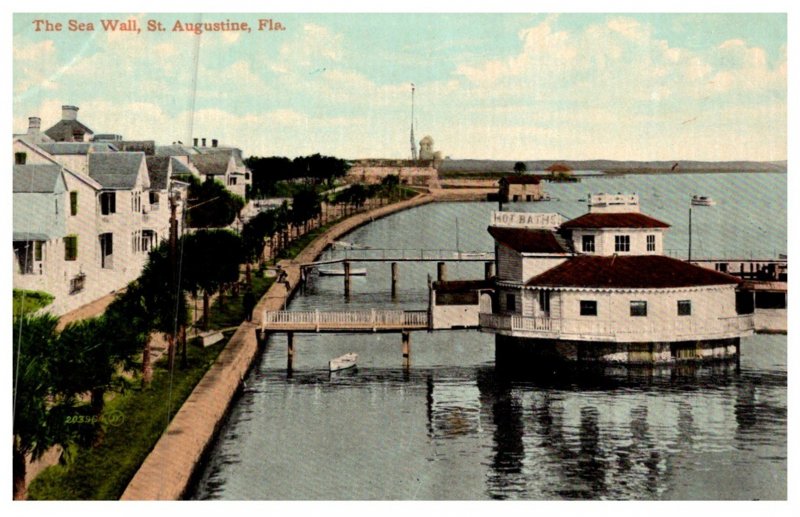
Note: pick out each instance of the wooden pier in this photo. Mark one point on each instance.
(369, 320)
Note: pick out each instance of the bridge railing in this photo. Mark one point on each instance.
(406, 254)
(344, 319)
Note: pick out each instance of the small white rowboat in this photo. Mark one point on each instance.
(343, 362)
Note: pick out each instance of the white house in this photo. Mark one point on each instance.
(55, 244)
(598, 288)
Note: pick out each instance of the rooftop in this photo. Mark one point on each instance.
(66, 130)
(526, 240)
(60, 148)
(211, 163)
(528, 179)
(635, 271)
(462, 286)
(614, 220)
(158, 169)
(38, 178)
(115, 170)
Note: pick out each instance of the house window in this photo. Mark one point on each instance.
(651, 243)
(588, 307)
(154, 199)
(71, 247)
(622, 243)
(246, 176)
(37, 250)
(107, 250)
(232, 181)
(20, 158)
(588, 243)
(638, 308)
(76, 284)
(73, 202)
(108, 203)
(511, 303)
(684, 307)
(544, 301)
(22, 249)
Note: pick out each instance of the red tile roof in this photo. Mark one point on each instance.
(611, 220)
(461, 286)
(528, 241)
(635, 271)
(530, 179)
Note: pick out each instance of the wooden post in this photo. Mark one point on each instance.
(441, 271)
(406, 335)
(488, 270)
(289, 350)
(395, 277)
(346, 278)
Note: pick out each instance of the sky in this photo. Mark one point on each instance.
(488, 86)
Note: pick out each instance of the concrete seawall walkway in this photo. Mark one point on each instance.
(167, 471)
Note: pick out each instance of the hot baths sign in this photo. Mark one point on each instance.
(526, 220)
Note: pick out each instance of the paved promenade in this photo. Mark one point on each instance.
(167, 471)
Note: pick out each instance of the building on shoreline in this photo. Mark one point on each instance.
(599, 289)
(521, 188)
(411, 172)
(88, 208)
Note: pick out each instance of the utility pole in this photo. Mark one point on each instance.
(690, 234)
(173, 259)
(413, 141)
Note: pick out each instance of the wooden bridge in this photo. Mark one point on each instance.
(401, 255)
(369, 320)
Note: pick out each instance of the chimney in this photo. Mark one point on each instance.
(214, 142)
(204, 142)
(34, 125)
(195, 142)
(69, 112)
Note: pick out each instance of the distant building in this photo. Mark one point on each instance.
(373, 171)
(521, 188)
(599, 289)
(426, 151)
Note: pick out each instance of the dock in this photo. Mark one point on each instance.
(370, 320)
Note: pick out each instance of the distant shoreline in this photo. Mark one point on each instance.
(499, 168)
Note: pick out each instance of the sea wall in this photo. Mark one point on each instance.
(167, 472)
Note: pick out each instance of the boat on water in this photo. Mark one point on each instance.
(343, 362)
(703, 201)
(349, 245)
(354, 271)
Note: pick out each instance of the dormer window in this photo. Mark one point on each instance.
(622, 243)
(587, 242)
(651, 243)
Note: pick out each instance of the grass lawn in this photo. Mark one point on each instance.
(30, 301)
(104, 471)
(231, 313)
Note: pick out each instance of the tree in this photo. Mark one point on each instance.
(254, 235)
(130, 321)
(45, 400)
(211, 204)
(390, 186)
(520, 167)
(266, 172)
(305, 206)
(211, 259)
(163, 297)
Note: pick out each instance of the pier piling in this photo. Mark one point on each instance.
(289, 350)
(406, 347)
(395, 278)
(347, 279)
